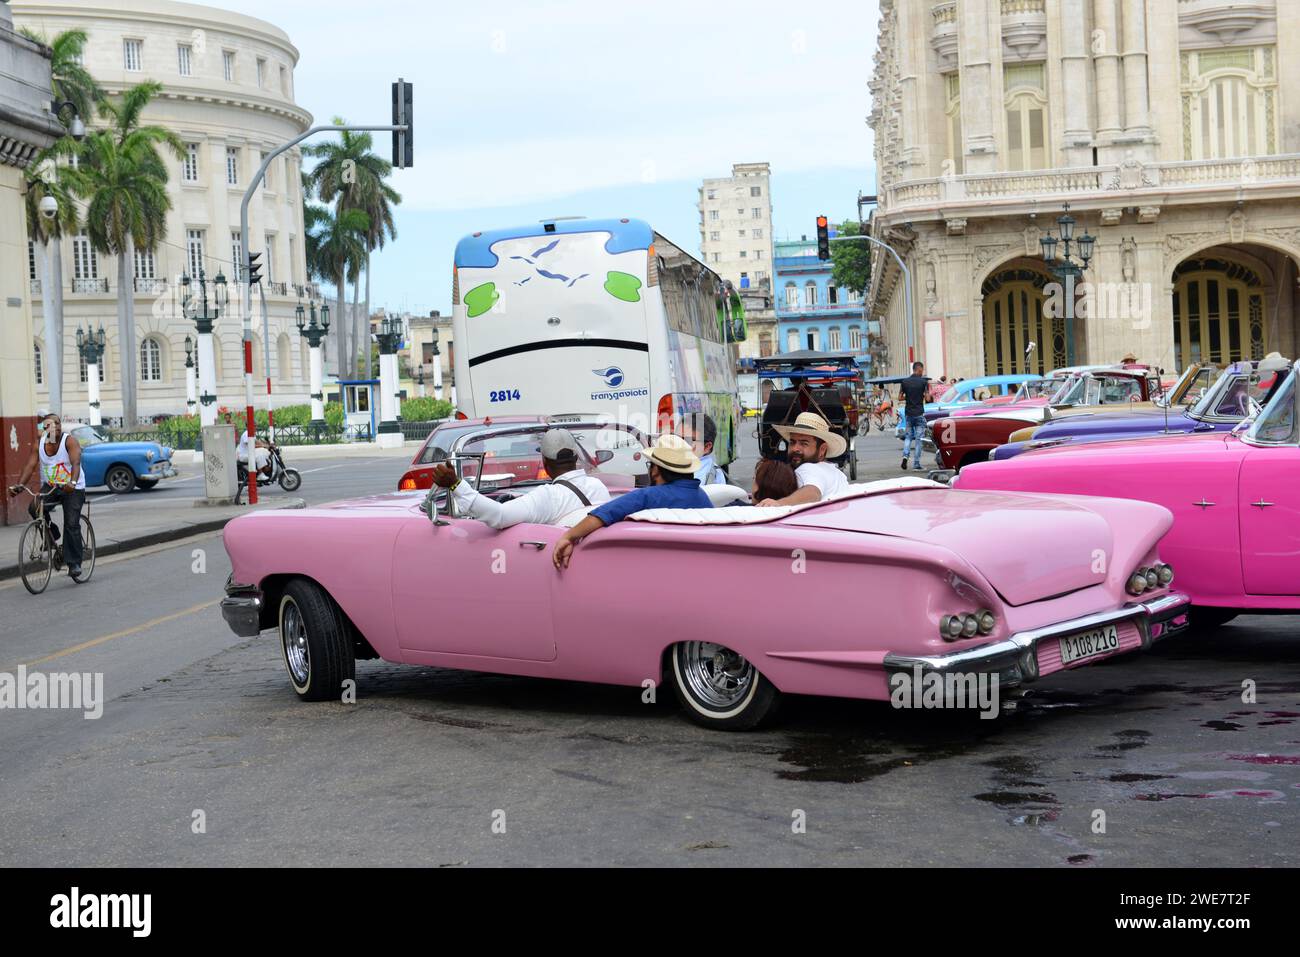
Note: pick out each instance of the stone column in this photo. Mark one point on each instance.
(1075, 83)
(1105, 59)
(980, 29)
(1137, 103)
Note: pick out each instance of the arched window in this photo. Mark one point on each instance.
(1026, 111)
(792, 341)
(40, 372)
(832, 295)
(855, 338)
(810, 293)
(833, 339)
(284, 364)
(1229, 103)
(791, 296)
(150, 360)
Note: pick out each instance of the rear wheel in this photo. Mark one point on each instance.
(119, 479)
(719, 688)
(35, 558)
(314, 640)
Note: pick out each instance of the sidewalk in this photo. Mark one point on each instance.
(120, 530)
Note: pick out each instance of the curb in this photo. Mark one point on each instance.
(118, 545)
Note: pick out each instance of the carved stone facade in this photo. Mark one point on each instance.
(1172, 128)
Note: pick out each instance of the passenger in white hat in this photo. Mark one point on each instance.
(809, 443)
(672, 471)
(571, 489)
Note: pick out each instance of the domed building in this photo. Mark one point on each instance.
(228, 93)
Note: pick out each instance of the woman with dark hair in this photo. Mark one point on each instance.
(773, 479)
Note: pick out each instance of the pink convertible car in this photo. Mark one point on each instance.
(732, 605)
(1235, 500)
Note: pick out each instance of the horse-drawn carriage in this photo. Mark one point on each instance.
(828, 383)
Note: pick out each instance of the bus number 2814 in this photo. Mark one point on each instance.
(505, 395)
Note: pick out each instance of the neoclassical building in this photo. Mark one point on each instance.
(1170, 127)
(227, 91)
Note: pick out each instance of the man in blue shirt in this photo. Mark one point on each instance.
(672, 469)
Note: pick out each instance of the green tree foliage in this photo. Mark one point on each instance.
(851, 262)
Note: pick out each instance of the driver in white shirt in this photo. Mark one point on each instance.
(809, 443)
(259, 449)
(572, 489)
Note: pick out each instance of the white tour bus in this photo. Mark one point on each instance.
(594, 316)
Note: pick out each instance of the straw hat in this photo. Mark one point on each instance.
(673, 453)
(810, 423)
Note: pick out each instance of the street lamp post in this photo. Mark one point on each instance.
(191, 393)
(419, 381)
(389, 335)
(315, 334)
(437, 367)
(204, 319)
(90, 344)
(1066, 269)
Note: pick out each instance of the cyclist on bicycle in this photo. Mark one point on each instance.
(58, 455)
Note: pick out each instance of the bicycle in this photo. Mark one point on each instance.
(38, 552)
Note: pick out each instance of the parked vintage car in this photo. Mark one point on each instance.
(1238, 392)
(972, 392)
(121, 466)
(1234, 497)
(387, 577)
(962, 440)
(509, 447)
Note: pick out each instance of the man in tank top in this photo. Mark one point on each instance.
(58, 456)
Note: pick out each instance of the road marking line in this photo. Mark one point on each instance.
(323, 468)
(153, 623)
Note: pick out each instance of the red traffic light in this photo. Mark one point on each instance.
(821, 222)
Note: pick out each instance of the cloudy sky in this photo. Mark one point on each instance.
(589, 107)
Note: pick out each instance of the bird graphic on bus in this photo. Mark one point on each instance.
(613, 376)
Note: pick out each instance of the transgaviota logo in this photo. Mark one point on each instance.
(613, 376)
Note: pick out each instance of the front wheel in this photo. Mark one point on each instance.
(35, 558)
(87, 551)
(314, 640)
(290, 480)
(719, 688)
(119, 479)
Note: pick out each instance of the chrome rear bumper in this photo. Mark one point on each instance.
(242, 609)
(1014, 659)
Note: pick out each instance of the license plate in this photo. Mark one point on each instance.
(1089, 644)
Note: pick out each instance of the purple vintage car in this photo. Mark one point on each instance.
(1239, 392)
(732, 606)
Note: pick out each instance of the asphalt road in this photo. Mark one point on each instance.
(422, 766)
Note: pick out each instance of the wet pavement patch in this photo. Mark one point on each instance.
(1222, 726)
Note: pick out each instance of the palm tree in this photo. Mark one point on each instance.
(336, 246)
(72, 83)
(351, 176)
(124, 182)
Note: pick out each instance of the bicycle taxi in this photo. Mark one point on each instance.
(828, 383)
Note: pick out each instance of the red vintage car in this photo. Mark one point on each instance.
(961, 440)
(508, 448)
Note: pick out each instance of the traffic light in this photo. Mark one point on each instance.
(403, 142)
(254, 271)
(823, 239)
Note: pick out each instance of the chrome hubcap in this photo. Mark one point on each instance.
(293, 633)
(715, 675)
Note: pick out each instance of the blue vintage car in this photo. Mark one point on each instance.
(121, 466)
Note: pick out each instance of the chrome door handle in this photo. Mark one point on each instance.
(537, 545)
(1261, 503)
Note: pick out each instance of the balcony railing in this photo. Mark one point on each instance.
(150, 287)
(90, 286)
(277, 288)
(1164, 180)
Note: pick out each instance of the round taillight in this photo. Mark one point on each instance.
(1152, 577)
(1166, 573)
(987, 621)
(407, 484)
(1137, 583)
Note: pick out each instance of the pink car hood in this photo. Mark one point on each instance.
(1028, 547)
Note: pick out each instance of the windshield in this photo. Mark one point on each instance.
(1070, 391)
(1232, 395)
(1277, 424)
(86, 436)
(442, 440)
(950, 395)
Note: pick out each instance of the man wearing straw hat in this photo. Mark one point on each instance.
(672, 471)
(808, 444)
